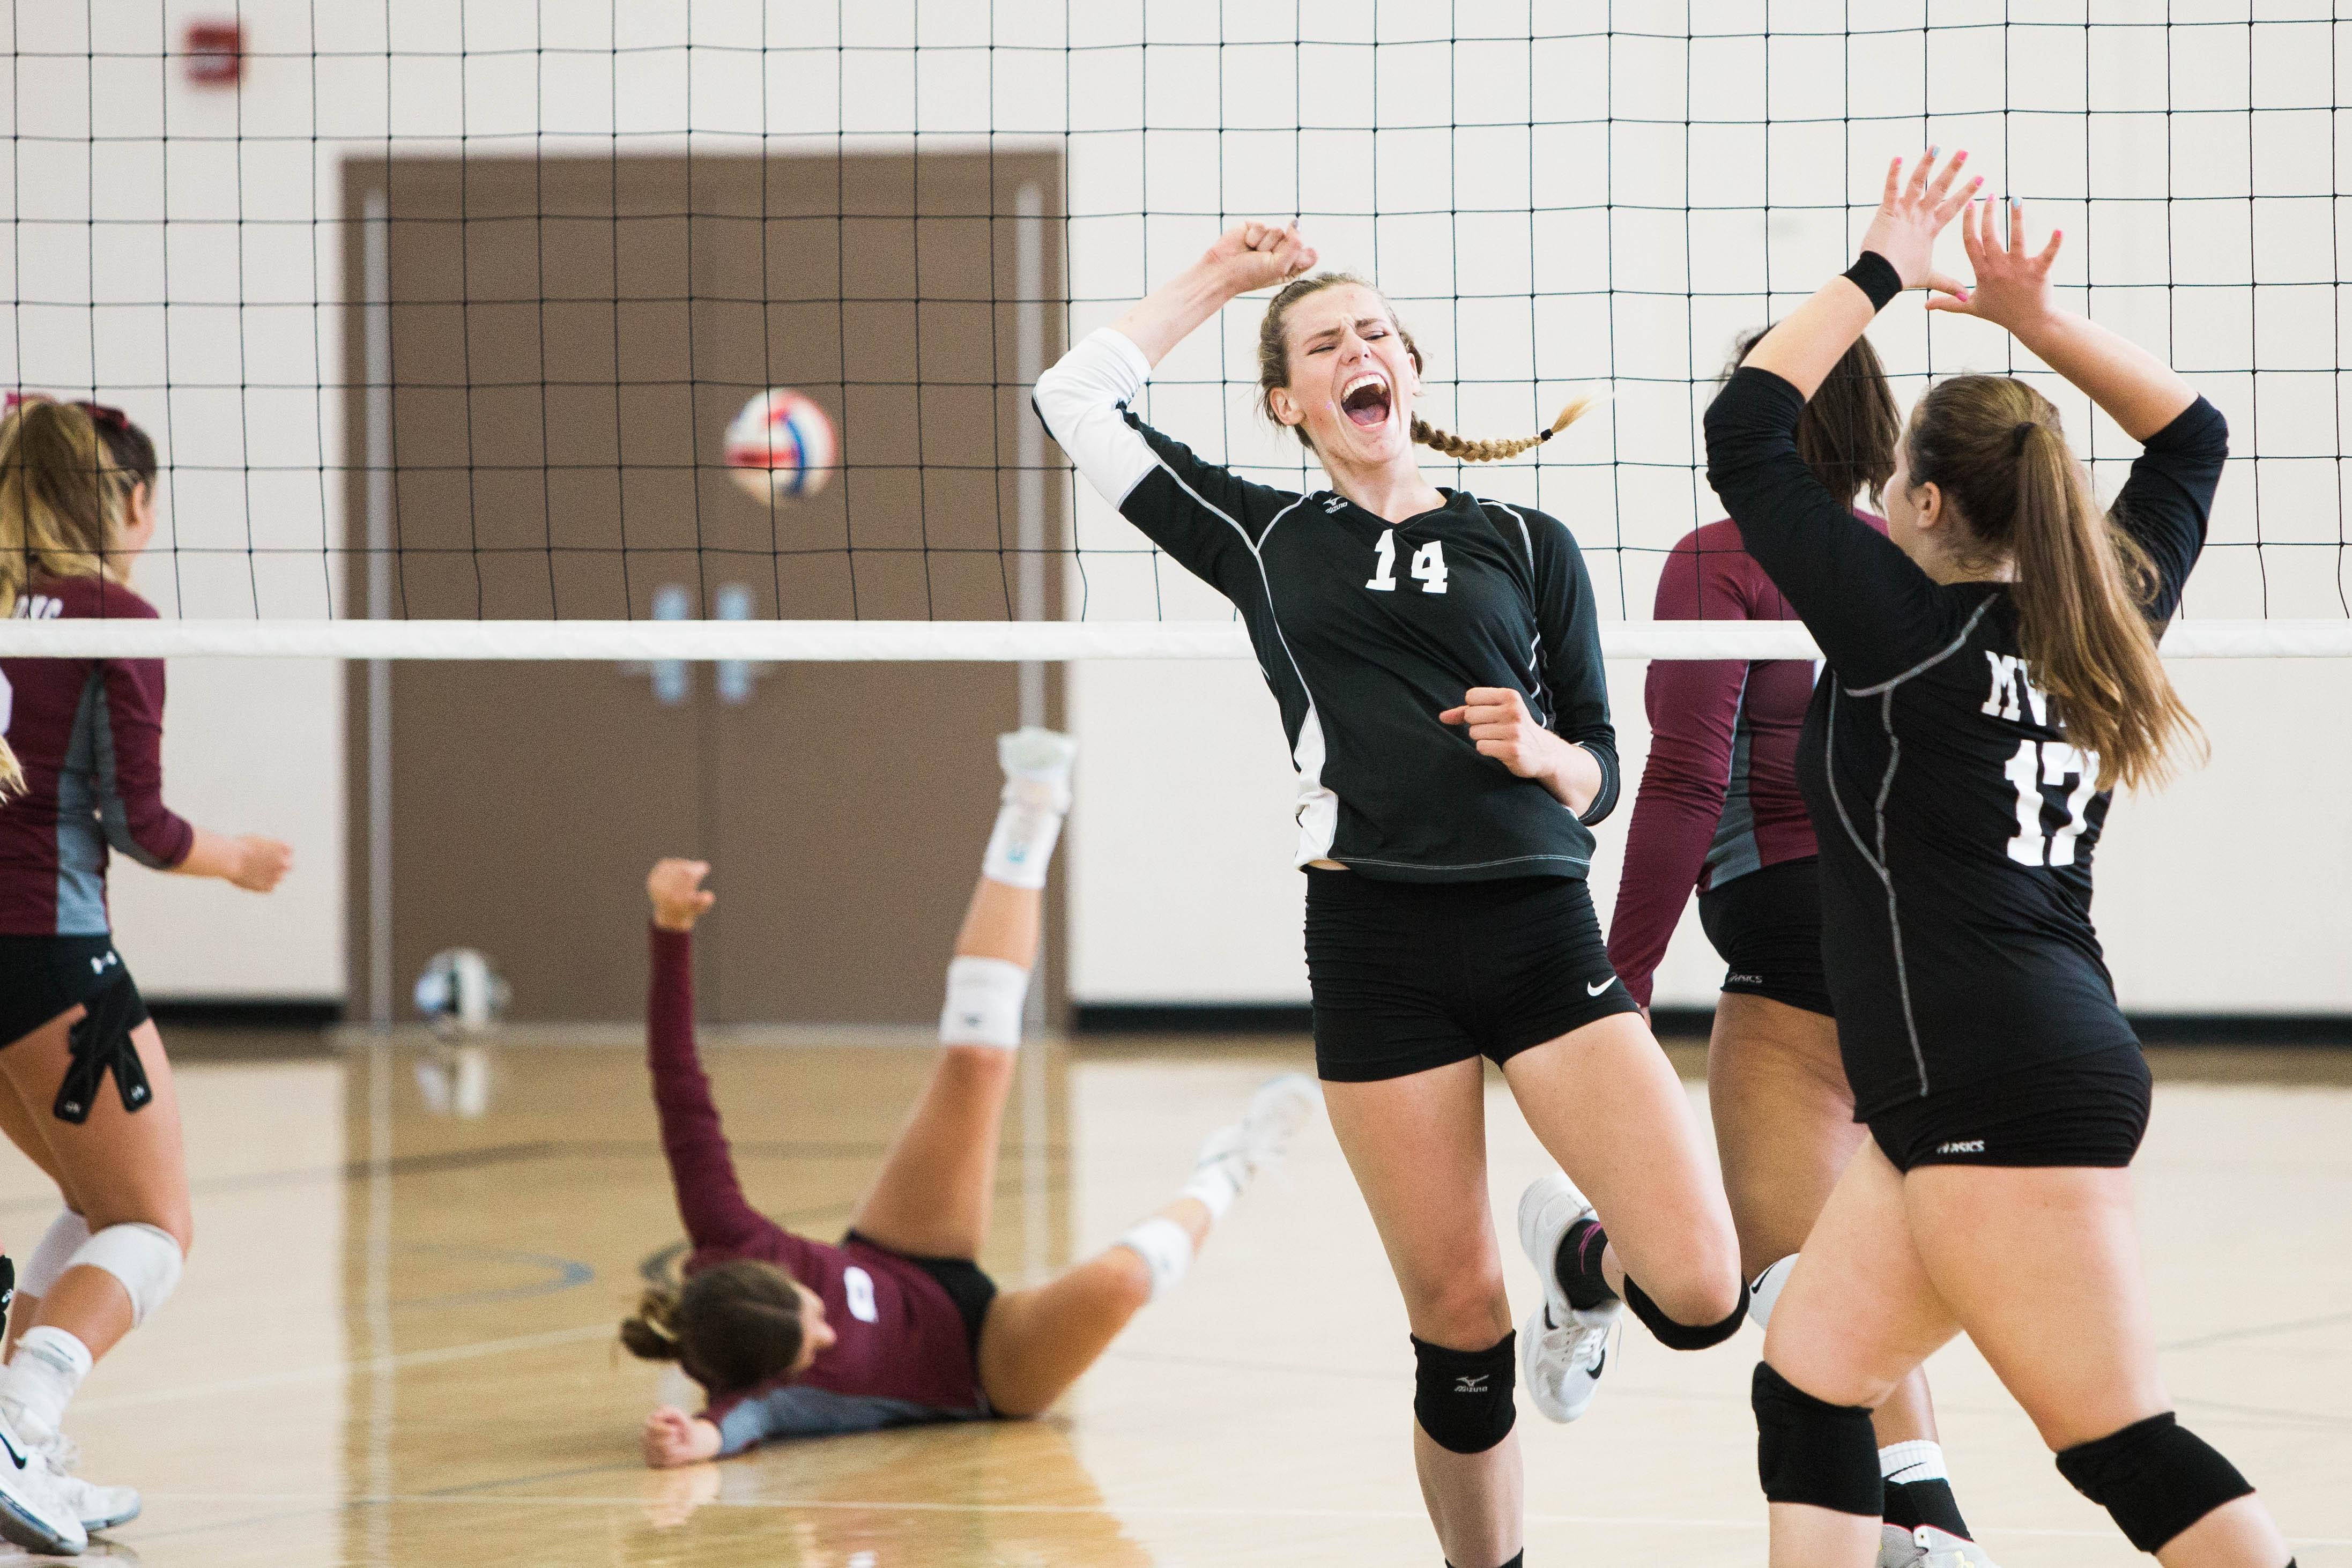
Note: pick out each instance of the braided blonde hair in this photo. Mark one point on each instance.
(1273, 370)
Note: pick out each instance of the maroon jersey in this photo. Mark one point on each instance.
(1718, 796)
(89, 733)
(902, 1355)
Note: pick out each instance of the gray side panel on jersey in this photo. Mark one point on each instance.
(1734, 853)
(794, 1411)
(81, 848)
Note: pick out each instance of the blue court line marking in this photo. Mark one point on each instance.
(565, 1274)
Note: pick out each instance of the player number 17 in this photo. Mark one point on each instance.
(2041, 762)
(1428, 565)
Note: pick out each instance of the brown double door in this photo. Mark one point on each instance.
(565, 343)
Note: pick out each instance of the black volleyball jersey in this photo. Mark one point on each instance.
(1366, 631)
(1957, 822)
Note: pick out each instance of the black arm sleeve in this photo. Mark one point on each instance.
(1569, 656)
(1872, 612)
(2166, 502)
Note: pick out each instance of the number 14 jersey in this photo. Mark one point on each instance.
(1956, 821)
(1366, 631)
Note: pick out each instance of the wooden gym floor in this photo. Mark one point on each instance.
(394, 1345)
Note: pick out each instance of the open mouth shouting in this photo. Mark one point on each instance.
(1367, 400)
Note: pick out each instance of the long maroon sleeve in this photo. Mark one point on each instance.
(710, 1198)
(129, 747)
(1694, 708)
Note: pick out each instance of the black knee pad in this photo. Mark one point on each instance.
(2156, 1476)
(1682, 1336)
(1812, 1452)
(1463, 1397)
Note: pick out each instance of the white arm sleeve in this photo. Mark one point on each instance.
(1079, 400)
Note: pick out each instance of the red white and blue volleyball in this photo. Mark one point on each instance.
(780, 448)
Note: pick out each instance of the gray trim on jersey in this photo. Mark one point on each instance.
(1734, 853)
(1884, 692)
(81, 851)
(798, 1411)
(1465, 865)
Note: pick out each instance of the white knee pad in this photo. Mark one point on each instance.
(1166, 1248)
(1766, 1291)
(144, 1256)
(985, 996)
(66, 1236)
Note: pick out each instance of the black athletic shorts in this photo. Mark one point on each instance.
(2080, 1111)
(971, 1289)
(1767, 927)
(1408, 976)
(42, 976)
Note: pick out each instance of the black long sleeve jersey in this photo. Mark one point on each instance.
(1956, 823)
(1366, 631)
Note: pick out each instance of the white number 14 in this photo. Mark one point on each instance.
(1428, 565)
(2035, 764)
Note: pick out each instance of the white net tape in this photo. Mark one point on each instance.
(990, 640)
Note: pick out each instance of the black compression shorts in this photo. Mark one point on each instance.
(1411, 976)
(971, 1289)
(1767, 927)
(2078, 1111)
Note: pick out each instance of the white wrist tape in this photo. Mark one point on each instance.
(53, 1255)
(1166, 1248)
(1021, 846)
(144, 1256)
(985, 996)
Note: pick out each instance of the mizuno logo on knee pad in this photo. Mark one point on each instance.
(1471, 1384)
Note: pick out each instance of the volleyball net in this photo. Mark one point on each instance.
(445, 320)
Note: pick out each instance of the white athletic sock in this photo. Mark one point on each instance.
(1222, 1173)
(40, 1380)
(1021, 847)
(1166, 1248)
(1919, 1459)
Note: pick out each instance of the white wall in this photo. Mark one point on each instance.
(1539, 211)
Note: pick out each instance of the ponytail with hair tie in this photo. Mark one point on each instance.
(1465, 451)
(2021, 434)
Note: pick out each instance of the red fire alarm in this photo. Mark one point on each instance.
(215, 52)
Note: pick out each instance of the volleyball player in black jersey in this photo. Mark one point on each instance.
(1437, 664)
(1991, 674)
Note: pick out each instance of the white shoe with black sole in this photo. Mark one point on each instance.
(1562, 1348)
(35, 1511)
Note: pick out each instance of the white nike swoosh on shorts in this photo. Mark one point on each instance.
(1596, 990)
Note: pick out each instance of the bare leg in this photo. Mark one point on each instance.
(1857, 1316)
(1784, 1129)
(1607, 1105)
(1418, 1148)
(938, 1183)
(22, 1129)
(2043, 1268)
(127, 1166)
(1037, 1342)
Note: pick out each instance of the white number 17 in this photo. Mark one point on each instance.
(2035, 764)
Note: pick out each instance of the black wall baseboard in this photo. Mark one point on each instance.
(243, 1012)
(1684, 1023)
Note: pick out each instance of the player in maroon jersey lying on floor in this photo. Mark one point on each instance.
(895, 1324)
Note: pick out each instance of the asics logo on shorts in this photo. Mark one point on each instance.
(1969, 1146)
(1743, 980)
(1471, 1385)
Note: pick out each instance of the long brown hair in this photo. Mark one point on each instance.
(1273, 370)
(1997, 449)
(63, 491)
(1849, 428)
(733, 1326)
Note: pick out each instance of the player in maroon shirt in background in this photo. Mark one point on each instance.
(895, 1324)
(1718, 810)
(85, 735)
